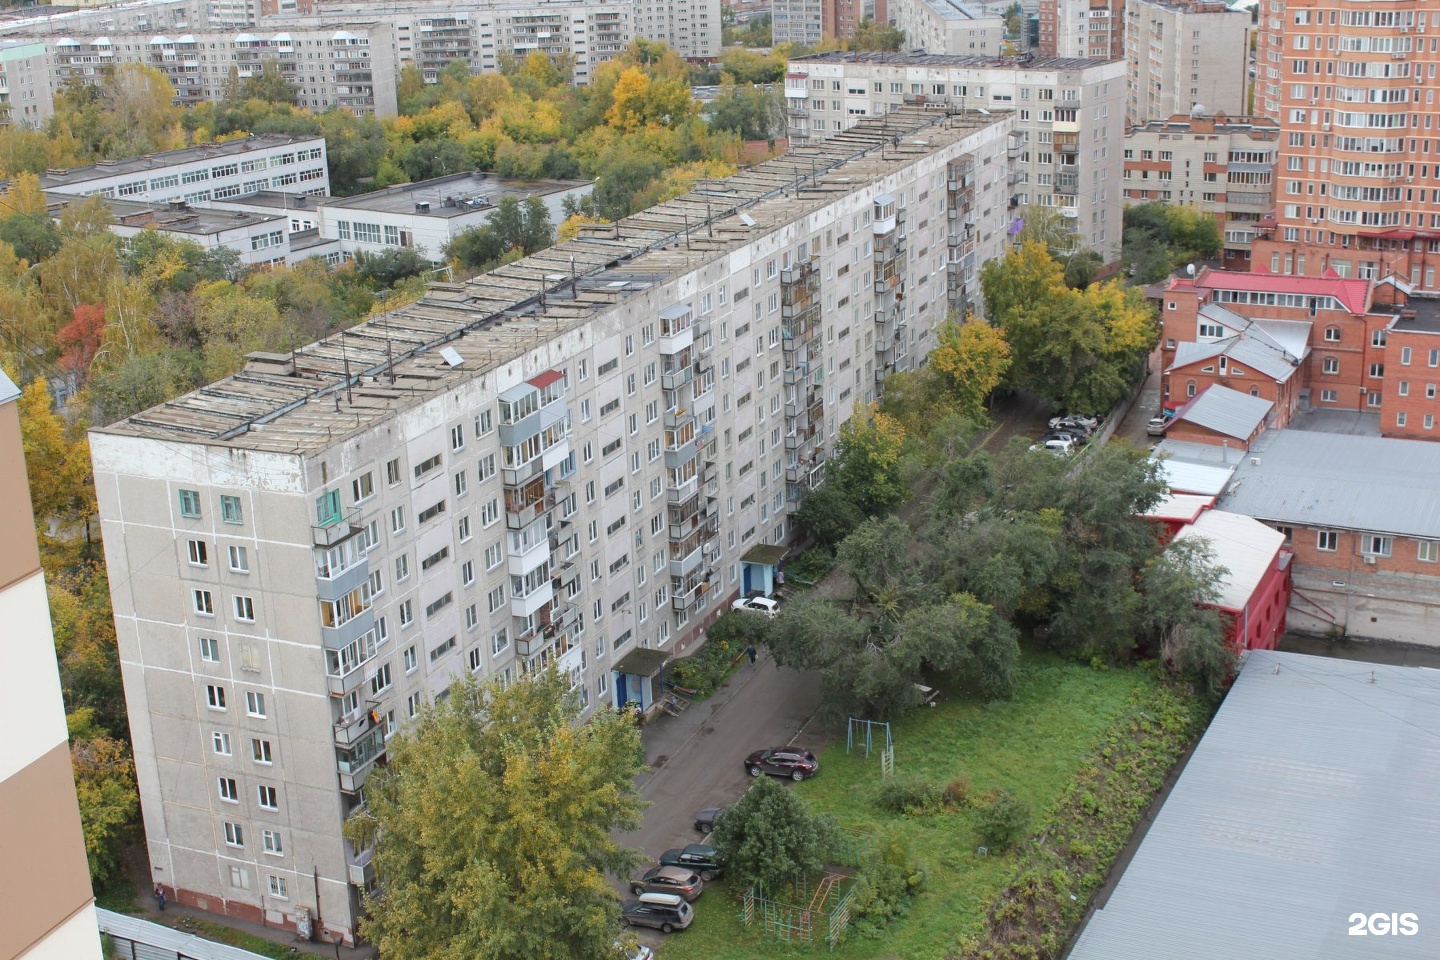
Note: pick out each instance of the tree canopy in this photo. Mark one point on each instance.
(769, 837)
(515, 866)
(1161, 237)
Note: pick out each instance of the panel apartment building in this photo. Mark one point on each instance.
(576, 459)
(1093, 29)
(1068, 117)
(44, 877)
(1353, 87)
(951, 26)
(1222, 166)
(1185, 57)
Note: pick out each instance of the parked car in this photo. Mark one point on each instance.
(641, 952)
(663, 911)
(699, 857)
(1076, 437)
(763, 605)
(1076, 419)
(705, 820)
(797, 763)
(678, 880)
(1155, 426)
(1060, 448)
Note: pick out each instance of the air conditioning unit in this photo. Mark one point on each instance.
(1369, 559)
(1409, 179)
(1314, 102)
(1325, 127)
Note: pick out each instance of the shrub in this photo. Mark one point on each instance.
(811, 566)
(1003, 821)
(908, 794)
(957, 790)
(889, 877)
(770, 837)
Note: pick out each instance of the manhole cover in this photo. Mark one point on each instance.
(660, 760)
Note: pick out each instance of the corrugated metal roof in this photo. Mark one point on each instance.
(1246, 548)
(124, 926)
(1183, 476)
(1180, 506)
(1341, 481)
(8, 390)
(1310, 797)
(1228, 412)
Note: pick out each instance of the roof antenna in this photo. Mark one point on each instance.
(344, 355)
(573, 295)
(389, 354)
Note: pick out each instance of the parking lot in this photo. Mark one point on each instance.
(696, 758)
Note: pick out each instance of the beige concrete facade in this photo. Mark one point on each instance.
(951, 26)
(1091, 29)
(1184, 58)
(1067, 117)
(48, 907)
(492, 480)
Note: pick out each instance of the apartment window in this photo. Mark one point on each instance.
(499, 642)
(209, 650)
(467, 572)
(461, 483)
(190, 504)
(494, 554)
(402, 568)
(1332, 334)
(1377, 371)
(397, 520)
(406, 613)
(1327, 540)
(1404, 356)
(234, 835)
(260, 750)
(462, 529)
(240, 878)
(484, 423)
(1377, 338)
(229, 792)
(1434, 360)
(1400, 419)
(327, 508)
(199, 554)
(413, 704)
(270, 842)
(239, 559)
(204, 603)
(269, 798)
(436, 606)
(1428, 551)
(495, 599)
(486, 465)
(1329, 396)
(409, 659)
(392, 472)
(221, 743)
(489, 513)
(1403, 388)
(363, 487)
(457, 438)
(1330, 365)
(1375, 545)
(255, 703)
(381, 681)
(244, 609)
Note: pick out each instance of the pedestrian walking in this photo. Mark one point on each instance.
(779, 578)
(160, 897)
(750, 652)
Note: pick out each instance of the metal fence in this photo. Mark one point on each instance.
(132, 938)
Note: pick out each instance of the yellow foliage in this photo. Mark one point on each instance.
(570, 229)
(973, 357)
(626, 112)
(23, 196)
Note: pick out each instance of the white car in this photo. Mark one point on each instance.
(1089, 423)
(1060, 448)
(1155, 427)
(756, 605)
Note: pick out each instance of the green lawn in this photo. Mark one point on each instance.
(1030, 745)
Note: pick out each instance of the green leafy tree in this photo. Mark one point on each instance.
(1180, 587)
(867, 465)
(752, 112)
(516, 866)
(389, 267)
(105, 788)
(874, 37)
(270, 85)
(769, 838)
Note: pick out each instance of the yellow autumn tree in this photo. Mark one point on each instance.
(973, 357)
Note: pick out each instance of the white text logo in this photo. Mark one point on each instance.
(1381, 924)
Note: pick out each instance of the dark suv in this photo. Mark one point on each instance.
(699, 857)
(663, 911)
(797, 763)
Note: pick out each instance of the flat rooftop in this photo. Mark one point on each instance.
(301, 403)
(57, 179)
(1311, 797)
(455, 195)
(956, 10)
(1419, 315)
(951, 60)
(197, 221)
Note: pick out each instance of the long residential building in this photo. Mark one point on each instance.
(1082, 28)
(1067, 116)
(25, 96)
(1219, 165)
(951, 26)
(576, 459)
(1353, 87)
(44, 876)
(1184, 57)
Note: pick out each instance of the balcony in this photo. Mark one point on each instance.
(329, 534)
(682, 492)
(359, 869)
(682, 564)
(354, 726)
(678, 417)
(677, 378)
(354, 764)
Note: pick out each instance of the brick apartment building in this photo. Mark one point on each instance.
(1221, 417)
(1410, 407)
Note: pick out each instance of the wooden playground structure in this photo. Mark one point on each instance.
(826, 907)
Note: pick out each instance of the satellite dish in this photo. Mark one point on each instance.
(1190, 269)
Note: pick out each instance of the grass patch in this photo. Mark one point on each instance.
(236, 938)
(1031, 747)
(118, 896)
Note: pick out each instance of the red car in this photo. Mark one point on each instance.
(680, 881)
(797, 763)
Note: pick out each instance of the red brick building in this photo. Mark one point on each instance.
(1411, 408)
(1254, 593)
(1220, 417)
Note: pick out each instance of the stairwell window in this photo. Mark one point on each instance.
(190, 504)
(327, 508)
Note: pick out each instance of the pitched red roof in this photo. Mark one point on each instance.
(1353, 293)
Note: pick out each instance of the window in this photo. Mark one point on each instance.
(1375, 545)
(230, 511)
(431, 512)
(199, 555)
(406, 613)
(221, 743)
(240, 878)
(190, 504)
(1404, 356)
(409, 659)
(215, 696)
(1428, 551)
(327, 508)
(254, 703)
(260, 750)
(496, 599)
(239, 559)
(229, 792)
(1330, 365)
(499, 642)
(1329, 396)
(234, 835)
(1327, 540)
(1332, 334)
(363, 486)
(462, 529)
(397, 520)
(440, 604)
(278, 888)
(244, 609)
(457, 438)
(461, 483)
(467, 572)
(494, 554)
(381, 681)
(1377, 370)
(1403, 388)
(209, 650)
(392, 472)
(269, 799)
(270, 842)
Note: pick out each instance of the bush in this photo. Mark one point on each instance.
(770, 837)
(711, 664)
(812, 566)
(957, 790)
(889, 877)
(1003, 822)
(910, 794)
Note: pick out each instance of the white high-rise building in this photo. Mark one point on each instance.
(1068, 117)
(579, 458)
(1184, 58)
